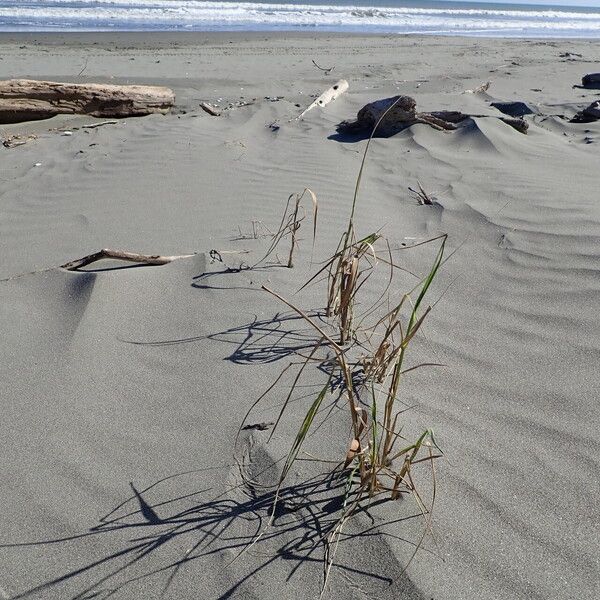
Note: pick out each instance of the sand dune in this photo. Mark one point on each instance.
(124, 387)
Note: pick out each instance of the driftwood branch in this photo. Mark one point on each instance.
(210, 109)
(452, 117)
(588, 114)
(327, 96)
(144, 259)
(27, 100)
(327, 70)
(101, 124)
(392, 115)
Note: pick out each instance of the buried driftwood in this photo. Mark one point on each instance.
(28, 100)
(143, 259)
(210, 109)
(399, 112)
(589, 114)
(12, 141)
(327, 96)
(480, 89)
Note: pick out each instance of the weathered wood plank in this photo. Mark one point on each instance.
(27, 100)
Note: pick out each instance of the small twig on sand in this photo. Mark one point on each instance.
(84, 67)
(145, 259)
(326, 70)
(422, 196)
(94, 125)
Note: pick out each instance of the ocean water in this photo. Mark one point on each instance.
(381, 16)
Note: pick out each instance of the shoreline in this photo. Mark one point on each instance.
(191, 37)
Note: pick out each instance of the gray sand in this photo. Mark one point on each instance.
(143, 375)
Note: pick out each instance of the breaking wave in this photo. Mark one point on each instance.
(119, 15)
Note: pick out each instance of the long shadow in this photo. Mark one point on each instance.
(351, 132)
(261, 340)
(112, 268)
(352, 137)
(225, 525)
(269, 340)
(201, 281)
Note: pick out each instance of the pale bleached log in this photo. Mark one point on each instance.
(27, 100)
(210, 109)
(96, 125)
(144, 259)
(327, 96)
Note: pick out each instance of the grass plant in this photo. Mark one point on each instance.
(291, 220)
(368, 355)
(421, 196)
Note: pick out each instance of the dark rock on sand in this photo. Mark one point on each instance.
(591, 80)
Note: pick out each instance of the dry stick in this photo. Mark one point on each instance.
(295, 225)
(84, 67)
(325, 69)
(211, 110)
(339, 352)
(94, 125)
(145, 259)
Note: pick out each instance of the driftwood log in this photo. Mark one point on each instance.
(143, 259)
(210, 109)
(28, 100)
(589, 114)
(399, 112)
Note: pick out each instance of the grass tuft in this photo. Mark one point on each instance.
(291, 220)
(367, 353)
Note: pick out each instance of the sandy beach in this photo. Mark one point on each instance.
(123, 389)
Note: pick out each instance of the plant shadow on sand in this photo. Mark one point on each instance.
(147, 539)
(259, 341)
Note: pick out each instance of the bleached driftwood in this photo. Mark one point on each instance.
(144, 259)
(210, 109)
(27, 100)
(327, 96)
(96, 125)
(13, 141)
(391, 115)
(484, 87)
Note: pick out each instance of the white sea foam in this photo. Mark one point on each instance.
(193, 14)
